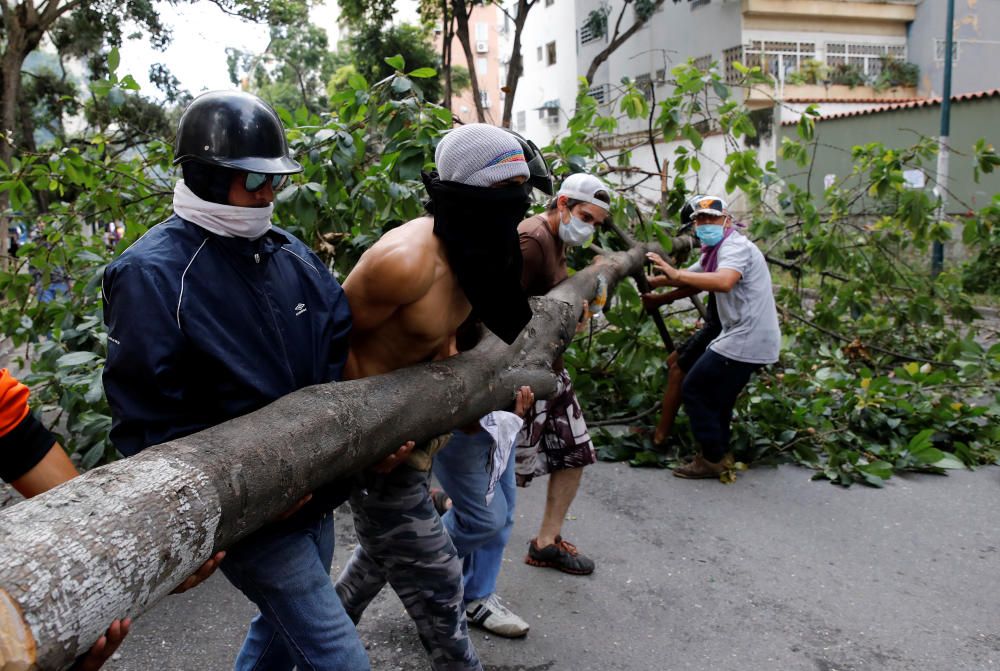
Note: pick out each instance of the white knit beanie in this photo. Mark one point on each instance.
(478, 154)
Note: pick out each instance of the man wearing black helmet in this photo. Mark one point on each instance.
(213, 314)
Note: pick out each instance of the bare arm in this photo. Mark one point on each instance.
(386, 278)
(722, 280)
(54, 469)
(653, 300)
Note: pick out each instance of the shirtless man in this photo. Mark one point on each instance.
(408, 295)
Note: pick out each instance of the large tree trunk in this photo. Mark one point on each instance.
(516, 65)
(462, 13)
(447, 33)
(112, 542)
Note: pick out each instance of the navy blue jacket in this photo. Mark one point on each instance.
(203, 328)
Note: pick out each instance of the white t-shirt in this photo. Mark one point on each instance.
(749, 319)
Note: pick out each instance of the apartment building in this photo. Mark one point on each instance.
(976, 44)
(488, 28)
(547, 89)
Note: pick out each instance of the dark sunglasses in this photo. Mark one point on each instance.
(255, 181)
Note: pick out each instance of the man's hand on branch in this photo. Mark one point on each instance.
(208, 568)
(671, 276)
(584, 318)
(388, 464)
(656, 281)
(651, 301)
(524, 398)
(105, 646)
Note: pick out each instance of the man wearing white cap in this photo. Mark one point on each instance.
(409, 294)
(736, 271)
(554, 440)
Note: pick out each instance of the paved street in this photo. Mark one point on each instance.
(774, 572)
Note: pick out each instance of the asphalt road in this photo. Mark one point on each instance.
(774, 572)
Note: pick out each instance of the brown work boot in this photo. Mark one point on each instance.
(700, 467)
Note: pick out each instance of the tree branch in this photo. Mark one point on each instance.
(129, 532)
(618, 40)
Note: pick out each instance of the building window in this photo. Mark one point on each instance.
(866, 57)
(550, 53)
(549, 111)
(482, 65)
(587, 34)
(600, 93)
(522, 121)
(482, 31)
(549, 3)
(539, 53)
(939, 50)
(699, 3)
(776, 58)
(703, 63)
(484, 99)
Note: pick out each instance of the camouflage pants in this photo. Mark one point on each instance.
(403, 542)
(554, 436)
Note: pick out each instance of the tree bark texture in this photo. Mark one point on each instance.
(462, 11)
(619, 38)
(516, 66)
(113, 541)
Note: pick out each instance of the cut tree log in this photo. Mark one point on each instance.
(112, 542)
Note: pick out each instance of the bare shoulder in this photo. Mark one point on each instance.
(400, 267)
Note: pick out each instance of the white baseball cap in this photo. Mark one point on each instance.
(582, 187)
(712, 205)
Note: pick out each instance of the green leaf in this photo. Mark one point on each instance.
(114, 58)
(401, 85)
(423, 73)
(75, 359)
(949, 461)
(396, 62)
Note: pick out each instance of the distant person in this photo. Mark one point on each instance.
(736, 272)
(680, 361)
(555, 441)
(33, 462)
(213, 314)
(56, 282)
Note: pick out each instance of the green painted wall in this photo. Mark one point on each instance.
(970, 120)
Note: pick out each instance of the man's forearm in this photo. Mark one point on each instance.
(679, 293)
(705, 281)
(54, 469)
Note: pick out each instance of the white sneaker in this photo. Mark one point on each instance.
(494, 617)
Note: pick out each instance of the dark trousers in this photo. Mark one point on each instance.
(709, 395)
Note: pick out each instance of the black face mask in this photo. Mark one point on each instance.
(478, 226)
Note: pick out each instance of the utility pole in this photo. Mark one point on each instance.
(937, 253)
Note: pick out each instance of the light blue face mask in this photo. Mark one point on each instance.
(710, 234)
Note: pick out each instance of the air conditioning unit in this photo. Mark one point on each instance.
(482, 46)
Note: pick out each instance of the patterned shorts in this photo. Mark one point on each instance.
(554, 437)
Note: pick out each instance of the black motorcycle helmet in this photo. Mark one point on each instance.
(686, 212)
(236, 130)
(540, 177)
(226, 131)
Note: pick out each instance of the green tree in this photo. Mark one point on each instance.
(371, 46)
(882, 370)
(293, 70)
